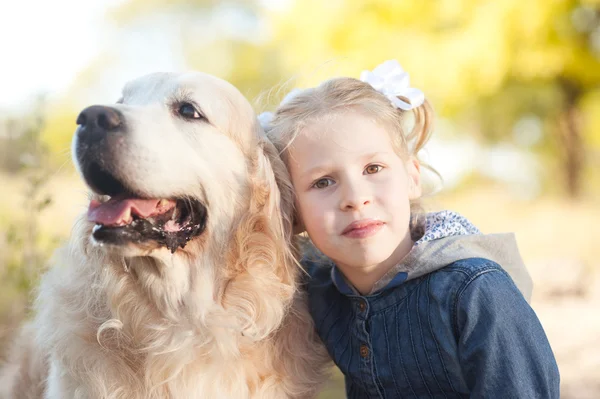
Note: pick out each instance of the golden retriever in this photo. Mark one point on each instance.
(180, 281)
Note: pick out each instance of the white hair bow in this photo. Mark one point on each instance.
(392, 81)
(265, 119)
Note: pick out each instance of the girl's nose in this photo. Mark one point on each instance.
(354, 197)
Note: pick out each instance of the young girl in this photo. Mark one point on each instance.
(408, 305)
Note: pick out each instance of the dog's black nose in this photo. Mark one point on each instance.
(96, 121)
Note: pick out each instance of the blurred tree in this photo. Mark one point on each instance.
(34, 168)
(20, 267)
(222, 37)
(555, 64)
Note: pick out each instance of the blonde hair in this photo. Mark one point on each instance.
(342, 94)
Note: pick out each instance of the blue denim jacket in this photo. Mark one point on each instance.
(458, 330)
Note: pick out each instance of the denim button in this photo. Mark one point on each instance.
(364, 350)
(362, 305)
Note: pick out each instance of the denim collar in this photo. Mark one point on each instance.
(346, 288)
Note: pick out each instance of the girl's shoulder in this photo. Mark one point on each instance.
(471, 267)
(480, 280)
(464, 272)
(474, 280)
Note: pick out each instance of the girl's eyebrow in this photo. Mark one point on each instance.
(375, 155)
(317, 170)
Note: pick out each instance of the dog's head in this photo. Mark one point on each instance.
(176, 159)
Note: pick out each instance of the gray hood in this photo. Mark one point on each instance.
(448, 238)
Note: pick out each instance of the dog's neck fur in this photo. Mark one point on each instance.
(150, 323)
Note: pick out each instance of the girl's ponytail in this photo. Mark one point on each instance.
(422, 128)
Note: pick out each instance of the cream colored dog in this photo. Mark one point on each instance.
(180, 282)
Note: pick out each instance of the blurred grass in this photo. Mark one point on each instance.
(549, 227)
(335, 387)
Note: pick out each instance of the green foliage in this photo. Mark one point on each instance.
(29, 251)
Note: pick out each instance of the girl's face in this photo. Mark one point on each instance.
(353, 191)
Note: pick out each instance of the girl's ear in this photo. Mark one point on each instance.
(413, 169)
(297, 225)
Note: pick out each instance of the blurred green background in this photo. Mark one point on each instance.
(515, 83)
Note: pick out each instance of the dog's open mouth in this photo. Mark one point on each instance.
(125, 218)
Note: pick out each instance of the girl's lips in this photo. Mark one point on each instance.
(362, 228)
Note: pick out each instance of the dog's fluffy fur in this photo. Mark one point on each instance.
(221, 318)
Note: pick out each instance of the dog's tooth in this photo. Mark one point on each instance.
(163, 202)
(127, 216)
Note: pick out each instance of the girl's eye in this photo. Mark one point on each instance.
(371, 169)
(322, 183)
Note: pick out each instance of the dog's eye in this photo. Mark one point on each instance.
(188, 111)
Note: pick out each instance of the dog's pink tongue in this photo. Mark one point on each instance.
(119, 211)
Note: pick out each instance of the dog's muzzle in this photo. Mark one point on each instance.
(99, 126)
(128, 216)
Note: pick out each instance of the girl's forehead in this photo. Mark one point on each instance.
(346, 129)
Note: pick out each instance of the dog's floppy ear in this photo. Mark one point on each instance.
(283, 184)
(262, 279)
(281, 198)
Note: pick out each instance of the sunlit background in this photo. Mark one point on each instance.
(516, 85)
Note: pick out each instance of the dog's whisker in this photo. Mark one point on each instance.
(65, 151)
(190, 207)
(59, 169)
(125, 266)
